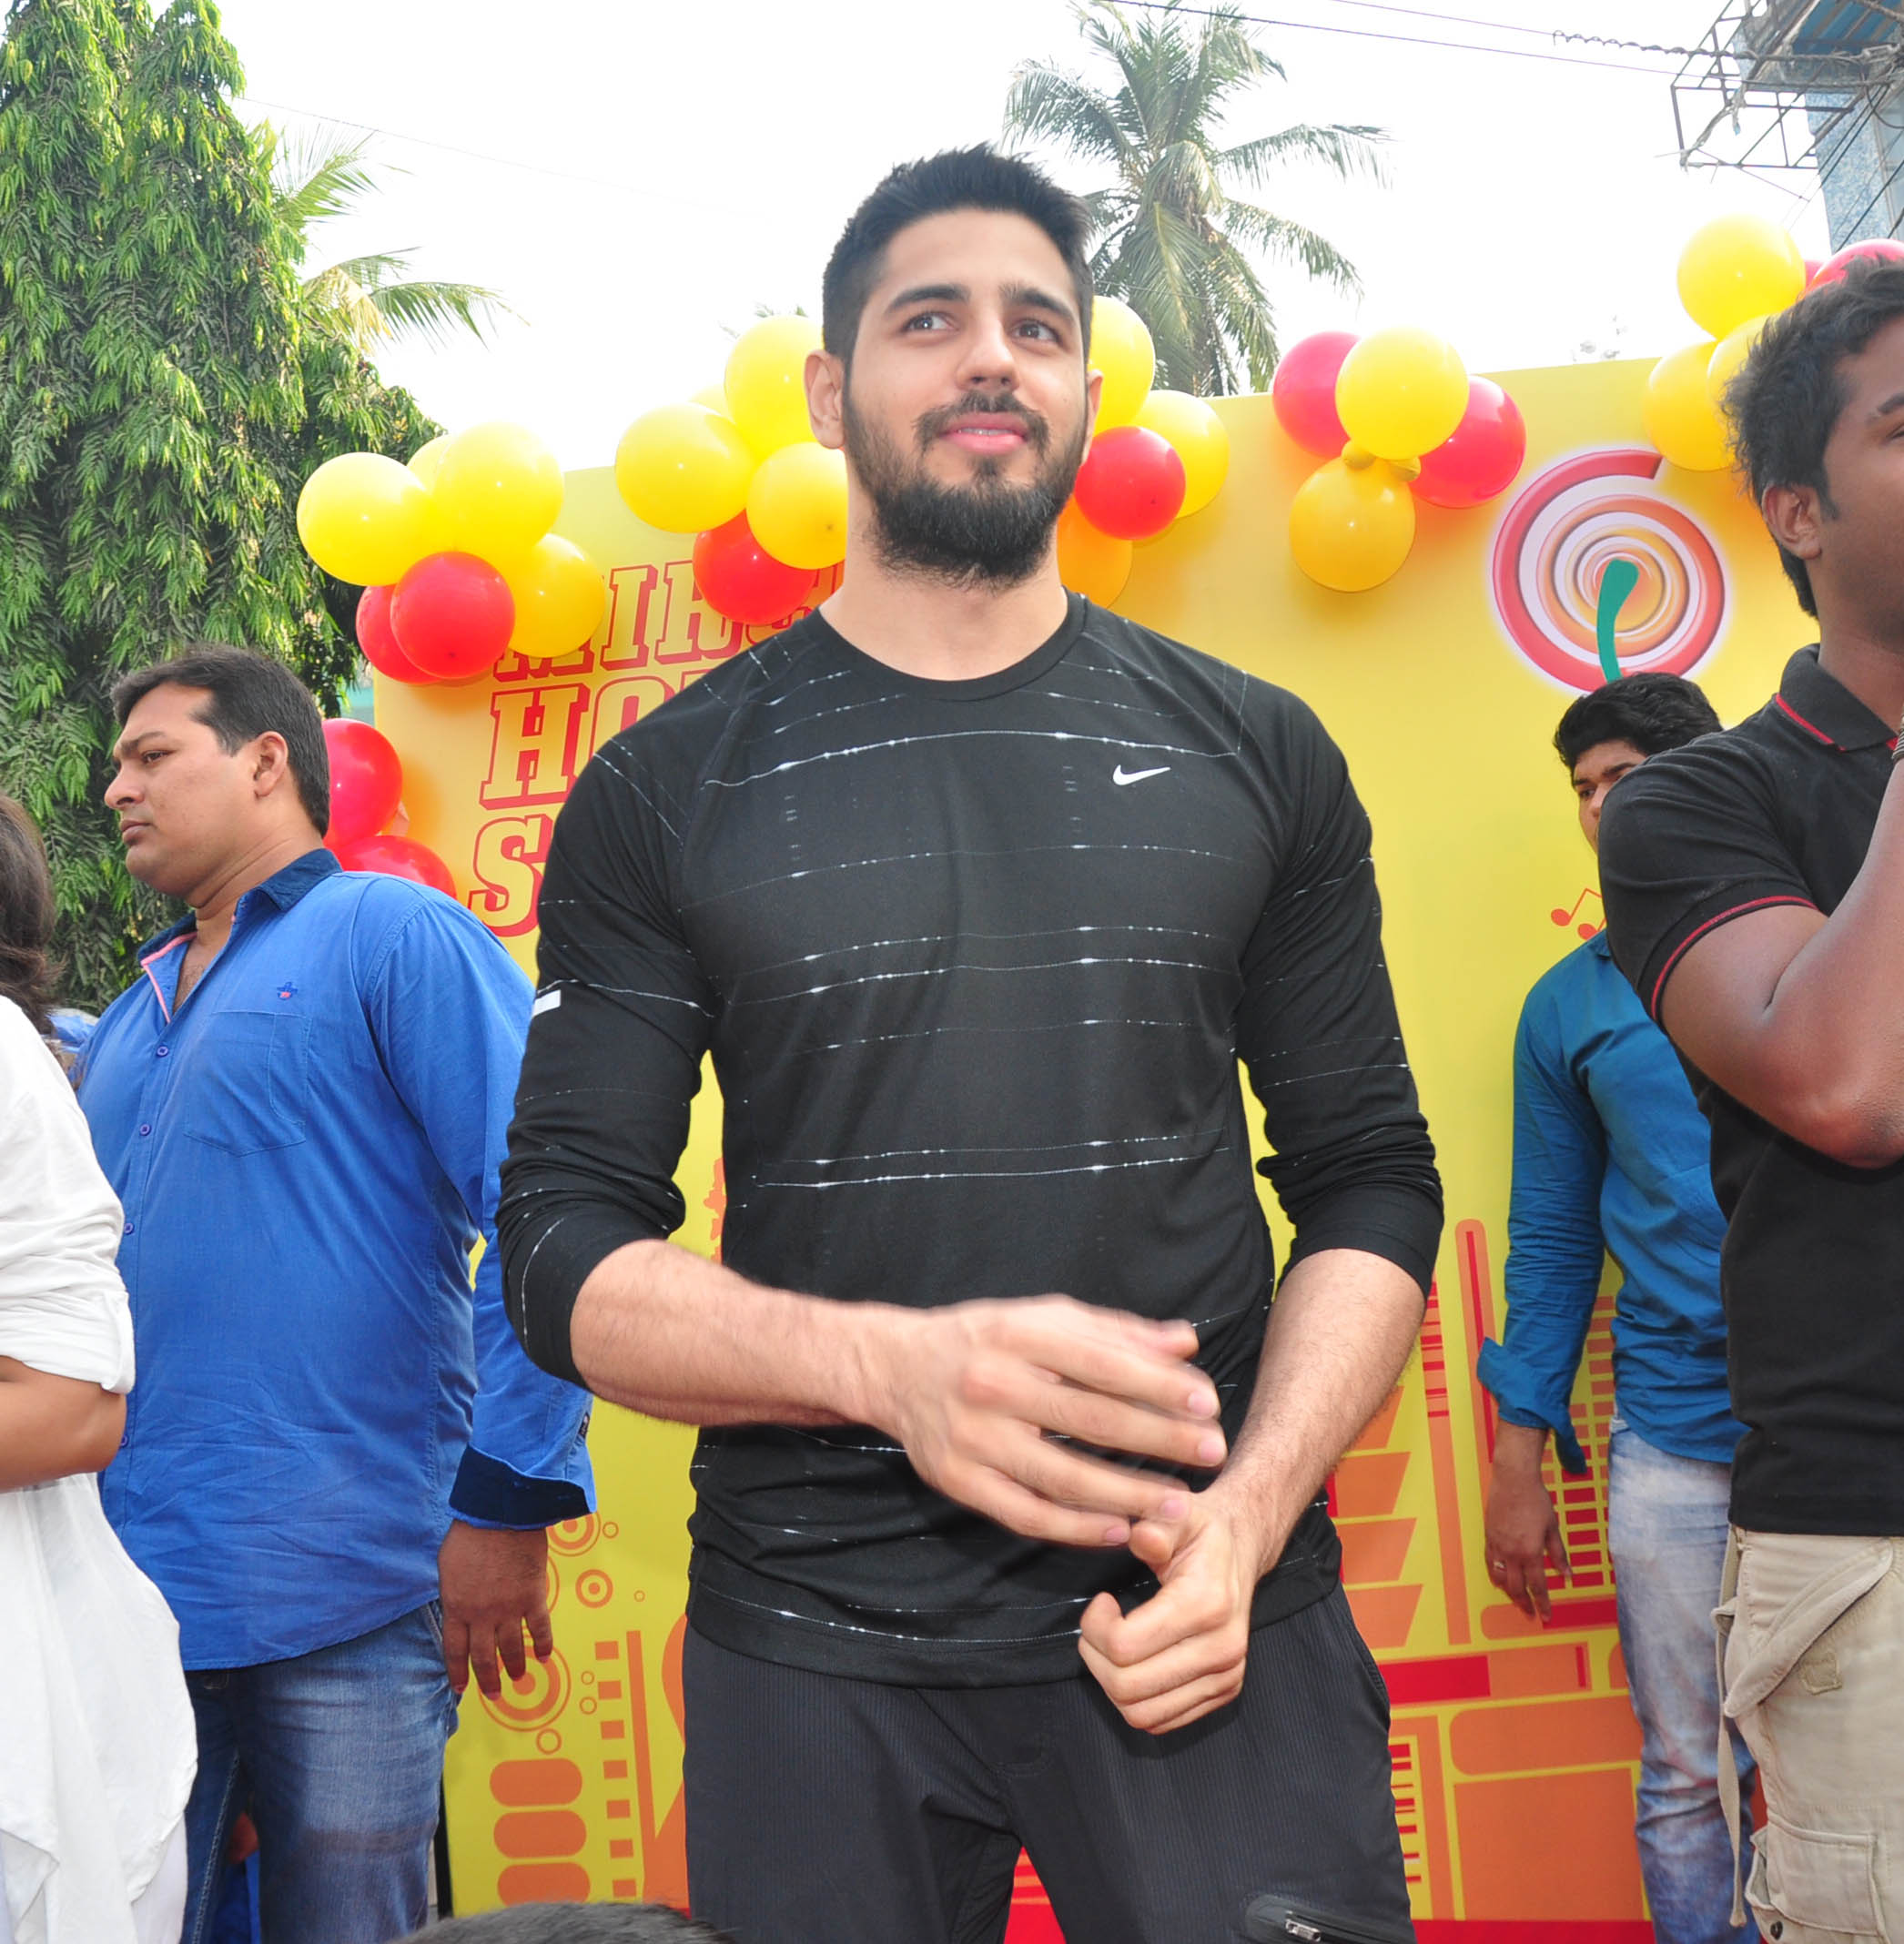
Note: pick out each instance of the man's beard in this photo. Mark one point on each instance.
(985, 534)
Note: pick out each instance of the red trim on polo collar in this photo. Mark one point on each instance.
(1830, 742)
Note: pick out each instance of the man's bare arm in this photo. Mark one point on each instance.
(979, 1394)
(1801, 1018)
(671, 1334)
(1340, 1331)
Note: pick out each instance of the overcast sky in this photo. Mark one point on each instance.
(635, 177)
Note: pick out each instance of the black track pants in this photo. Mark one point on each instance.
(827, 1810)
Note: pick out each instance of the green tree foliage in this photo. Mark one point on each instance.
(165, 390)
(372, 298)
(1173, 237)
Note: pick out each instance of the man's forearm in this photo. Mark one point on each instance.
(1340, 1331)
(671, 1334)
(1518, 1449)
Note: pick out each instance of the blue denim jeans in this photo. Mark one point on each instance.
(338, 1755)
(1666, 1530)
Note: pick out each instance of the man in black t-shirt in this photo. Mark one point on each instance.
(1007, 1525)
(1754, 895)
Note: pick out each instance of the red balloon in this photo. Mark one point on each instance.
(1812, 267)
(378, 643)
(366, 780)
(1833, 268)
(452, 616)
(397, 857)
(1132, 483)
(1481, 456)
(1304, 389)
(740, 578)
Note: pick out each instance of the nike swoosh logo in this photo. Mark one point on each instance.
(1120, 775)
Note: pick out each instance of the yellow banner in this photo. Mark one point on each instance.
(1514, 1746)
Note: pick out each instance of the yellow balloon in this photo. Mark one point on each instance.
(1400, 392)
(1678, 413)
(1200, 441)
(1122, 350)
(766, 382)
(715, 397)
(500, 489)
(796, 505)
(682, 468)
(1089, 562)
(1729, 355)
(367, 518)
(1350, 526)
(559, 599)
(426, 459)
(1739, 266)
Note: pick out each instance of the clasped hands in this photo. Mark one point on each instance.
(981, 1394)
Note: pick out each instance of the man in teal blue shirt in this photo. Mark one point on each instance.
(341, 1467)
(1611, 1156)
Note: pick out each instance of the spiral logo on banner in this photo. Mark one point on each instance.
(1552, 553)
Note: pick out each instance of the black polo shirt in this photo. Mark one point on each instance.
(1779, 811)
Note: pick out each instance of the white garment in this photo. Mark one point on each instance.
(158, 1913)
(98, 1748)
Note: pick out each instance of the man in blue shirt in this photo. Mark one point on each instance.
(1611, 1157)
(302, 1104)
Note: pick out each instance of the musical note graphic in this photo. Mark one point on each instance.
(1587, 927)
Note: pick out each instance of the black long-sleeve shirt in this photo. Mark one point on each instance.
(977, 961)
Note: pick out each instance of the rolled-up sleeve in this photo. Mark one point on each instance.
(1556, 1248)
(623, 1018)
(1351, 1164)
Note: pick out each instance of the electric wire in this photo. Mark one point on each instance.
(1879, 196)
(564, 174)
(1452, 20)
(1402, 40)
(1545, 54)
(474, 155)
(1608, 40)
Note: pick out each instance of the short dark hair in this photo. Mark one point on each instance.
(958, 178)
(250, 694)
(1654, 712)
(1788, 397)
(574, 1924)
(27, 914)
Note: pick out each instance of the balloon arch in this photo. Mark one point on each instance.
(458, 565)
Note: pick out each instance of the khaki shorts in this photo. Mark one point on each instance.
(1811, 1666)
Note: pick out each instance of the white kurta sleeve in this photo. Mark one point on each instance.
(62, 1308)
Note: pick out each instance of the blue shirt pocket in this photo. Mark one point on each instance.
(246, 1085)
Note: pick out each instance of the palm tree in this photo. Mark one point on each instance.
(1172, 240)
(371, 300)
